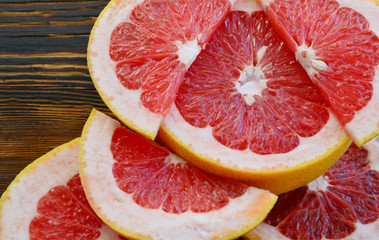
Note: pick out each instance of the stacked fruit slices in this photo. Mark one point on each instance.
(247, 108)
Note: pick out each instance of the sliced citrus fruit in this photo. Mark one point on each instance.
(139, 51)
(247, 110)
(143, 191)
(341, 204)
(46, 201)
(337, 43)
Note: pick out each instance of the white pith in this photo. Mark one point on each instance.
(248, 6)
(319, 184)
(118, 209)
(363, 231)
(188, 51)
(21, 199)
(252, 79)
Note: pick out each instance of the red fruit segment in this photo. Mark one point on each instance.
(64, 213)
(57, 230)
(245, 53)
(149, 172)
(342, 39)
(146, 48)
(351, 196)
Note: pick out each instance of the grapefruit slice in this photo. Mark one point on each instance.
(139, 51)
(247, 110)
(46, 201)
(337, 43)
(143, 191)
(341, 204)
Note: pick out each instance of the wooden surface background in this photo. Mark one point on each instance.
(46, 93)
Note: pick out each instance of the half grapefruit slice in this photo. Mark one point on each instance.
(337, 43)
(139, 51)
(143, 191)
(46, 201)
(341, 204)
(247, 110)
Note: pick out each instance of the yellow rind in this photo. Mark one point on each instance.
(267, 200)
(277, 181)
(149, 134)
(6, 195)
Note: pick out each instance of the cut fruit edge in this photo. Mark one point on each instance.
(104, 196)
(363, 231)
(365, 124)
(18, 204)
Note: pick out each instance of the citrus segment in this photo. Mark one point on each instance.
(141, 190)
(47, 201)
(139, 51)
(247, 108)
(337, 43)
(141, 168)
(341, 204)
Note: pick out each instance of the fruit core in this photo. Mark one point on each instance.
(188, 51)
(252, 80)
(306, 56)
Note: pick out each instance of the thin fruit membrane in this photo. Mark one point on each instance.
(351, 195)
(150, 173)
(247, 86)
(145, 48)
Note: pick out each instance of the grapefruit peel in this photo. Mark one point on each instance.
(18, 204)
(276, 172)
(117, 209)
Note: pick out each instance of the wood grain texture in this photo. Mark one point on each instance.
(46, 93)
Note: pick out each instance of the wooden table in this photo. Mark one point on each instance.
(46, 92)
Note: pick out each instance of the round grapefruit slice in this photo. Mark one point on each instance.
(341, 204)
(46, 201)
(247, 110)
(143, 191)
(337, 43)
(139, 51)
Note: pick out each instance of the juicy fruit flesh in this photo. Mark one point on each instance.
(269, 108)
(64, 213)
(145, 170)
(352, 196)
(146, 48)
(341, 39)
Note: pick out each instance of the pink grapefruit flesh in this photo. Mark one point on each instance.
(337, 43)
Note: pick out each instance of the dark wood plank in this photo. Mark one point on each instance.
(46, 92)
